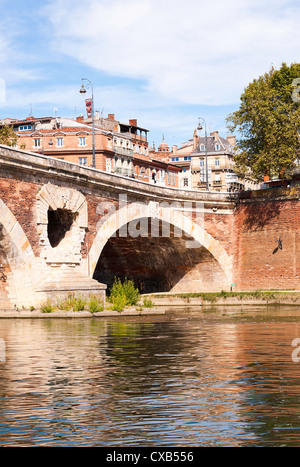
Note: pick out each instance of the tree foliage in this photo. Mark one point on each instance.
(8, 136)
(268, 121)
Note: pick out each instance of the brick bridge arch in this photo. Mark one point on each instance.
(196, 234)
(17, 258)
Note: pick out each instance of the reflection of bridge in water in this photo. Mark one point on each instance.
(66, 228)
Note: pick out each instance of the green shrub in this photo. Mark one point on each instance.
(119, 303)
(63, 304)
(47, 307)
(78, 303)
(130, 295)
(148, 302)
(95, 305)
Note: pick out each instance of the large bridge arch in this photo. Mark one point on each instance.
(167, 214)
(16, 260)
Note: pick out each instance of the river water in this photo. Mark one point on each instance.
(223, 377)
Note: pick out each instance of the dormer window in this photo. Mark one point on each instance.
(217, 147)
(202, 147)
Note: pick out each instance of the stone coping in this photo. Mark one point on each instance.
(24, 161)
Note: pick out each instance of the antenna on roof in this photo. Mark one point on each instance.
(30, 112)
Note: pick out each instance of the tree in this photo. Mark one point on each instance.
(8, 136)
(268, 121)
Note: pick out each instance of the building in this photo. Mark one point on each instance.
(120, 148)
(191, 158)
(63, 138)
(132, 155)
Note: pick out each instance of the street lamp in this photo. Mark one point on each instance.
(201, 121)
(83, 91)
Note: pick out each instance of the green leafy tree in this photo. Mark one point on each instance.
(268, 121)
(8, 136)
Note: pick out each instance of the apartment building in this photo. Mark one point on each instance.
(132, 155)
(191, 158)
(65, 139)
(120, 148)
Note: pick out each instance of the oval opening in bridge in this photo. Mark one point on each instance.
(59, 223)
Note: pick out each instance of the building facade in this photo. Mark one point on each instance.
(120, 148)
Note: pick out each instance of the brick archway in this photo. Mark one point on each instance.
(136, 211)
(18, 256)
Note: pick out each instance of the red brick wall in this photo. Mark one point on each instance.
(258, 262)
(20, 197)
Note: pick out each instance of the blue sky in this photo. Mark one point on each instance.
(164, 62)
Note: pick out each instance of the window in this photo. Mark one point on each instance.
(82, 161)
(175, 159)
(59, 142)
(187, 158)
(202, 147)
(201, 162)
(37, 143)
(173, 179)
(25, 127)
(217, 147)
(217, 162)
(217, 177)
(185, 182)
(82, 141)
(169, 178)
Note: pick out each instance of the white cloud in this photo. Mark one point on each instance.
(193, 52)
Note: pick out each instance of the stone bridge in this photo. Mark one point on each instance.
(65, 228)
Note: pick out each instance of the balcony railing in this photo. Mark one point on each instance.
(125, 172)
(120, 151)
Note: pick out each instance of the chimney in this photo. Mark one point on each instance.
(133, 122)
(231, 140)
(215, 134)
(111, 117)
(174, 149)
(79, 119)
(195, 139)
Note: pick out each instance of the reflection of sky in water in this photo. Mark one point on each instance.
(182, 382)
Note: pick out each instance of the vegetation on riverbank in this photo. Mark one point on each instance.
(122, 295)
(213, 297)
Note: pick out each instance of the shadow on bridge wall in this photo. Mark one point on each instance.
(257, 215)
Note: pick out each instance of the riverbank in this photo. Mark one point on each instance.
(167, 302)
(258, 297)
(78, 314)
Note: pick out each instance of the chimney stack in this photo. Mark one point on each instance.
(111, 117)
(215, 134)
(133, 122)
(231, 140)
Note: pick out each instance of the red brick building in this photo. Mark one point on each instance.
(120, 148)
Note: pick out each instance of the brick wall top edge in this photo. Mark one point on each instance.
(24, 160)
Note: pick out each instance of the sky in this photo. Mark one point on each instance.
(165, 62)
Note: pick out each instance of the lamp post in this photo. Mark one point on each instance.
(201, 121)
(83, 91)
